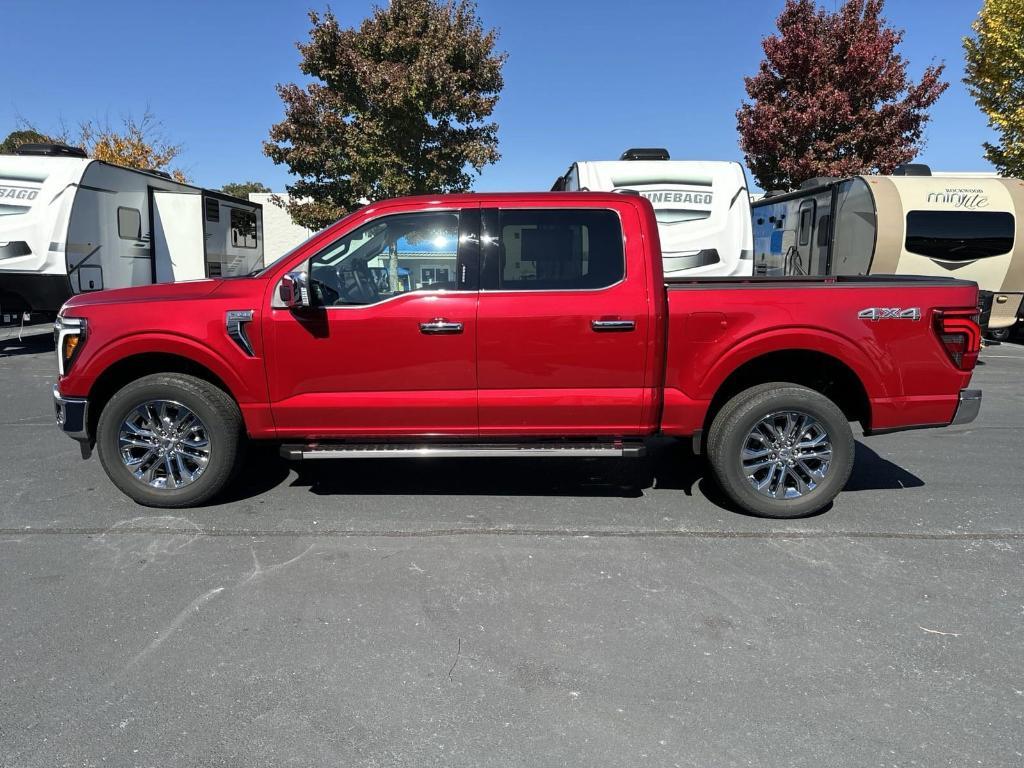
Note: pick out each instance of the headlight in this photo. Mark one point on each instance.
(69, 335)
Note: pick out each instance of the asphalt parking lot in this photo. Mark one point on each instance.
(498, 613)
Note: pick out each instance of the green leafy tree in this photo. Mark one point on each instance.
(995, 78)
(398, 106)
(243, 188)
(22, 136)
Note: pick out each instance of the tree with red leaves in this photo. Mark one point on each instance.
(832, 97)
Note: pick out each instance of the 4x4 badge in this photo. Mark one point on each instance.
(889, 313)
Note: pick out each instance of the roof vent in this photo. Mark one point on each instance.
(161, 174)
(817, 181)
(774, 193)
(645, 153)
(50, 150)
(912, 169)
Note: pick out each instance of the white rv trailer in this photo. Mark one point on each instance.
(970, 227)
(70, 224)
(702, 207)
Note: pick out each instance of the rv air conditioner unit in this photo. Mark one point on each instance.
(645, 153)
(817, 181)
(50, 150)
(912, 169)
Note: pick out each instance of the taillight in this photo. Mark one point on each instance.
(960, 334)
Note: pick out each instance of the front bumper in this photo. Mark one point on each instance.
(968, 407)
(72, 415)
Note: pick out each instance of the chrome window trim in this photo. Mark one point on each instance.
(276, 303)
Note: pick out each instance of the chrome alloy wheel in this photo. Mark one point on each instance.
(786, 455)
(164, 444)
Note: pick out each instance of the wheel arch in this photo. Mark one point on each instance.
(135, 366)
(816, 370)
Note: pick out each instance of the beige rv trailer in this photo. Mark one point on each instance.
(970, 227)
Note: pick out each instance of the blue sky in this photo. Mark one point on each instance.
(585, 78)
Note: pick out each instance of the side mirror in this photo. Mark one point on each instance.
(294, 290)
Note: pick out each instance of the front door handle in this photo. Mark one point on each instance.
(606, 326)
(439, 327)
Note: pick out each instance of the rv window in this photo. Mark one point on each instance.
(824, 227)
(806, 220)
(212, 209)
(129, 224)
(243, 228)
(959, 235)
(558, 250)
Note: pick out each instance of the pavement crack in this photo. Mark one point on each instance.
(458, 653)
(171, 628)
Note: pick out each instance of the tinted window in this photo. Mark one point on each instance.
(824, 223)
(386, 257)
(959, 235)
(212, 209)
(243, 228)
(129, 224)
(806, 219)
(559, 250)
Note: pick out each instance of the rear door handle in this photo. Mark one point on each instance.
(439, 327)
(606, 326)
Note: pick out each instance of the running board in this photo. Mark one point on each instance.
(461, 450)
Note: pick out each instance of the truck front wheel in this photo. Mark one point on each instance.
(781, 450)
(170, 440)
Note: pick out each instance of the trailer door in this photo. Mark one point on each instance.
(178, 239)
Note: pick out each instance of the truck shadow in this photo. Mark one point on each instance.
(872, 472)
(670, 466)
(33, 342)
(676, 467)
(485, 477)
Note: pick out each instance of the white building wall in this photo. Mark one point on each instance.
(280, 233)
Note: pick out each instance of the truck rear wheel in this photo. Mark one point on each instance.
(781, 450)
(170, 440)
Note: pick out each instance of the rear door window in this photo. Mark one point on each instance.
(554, 249)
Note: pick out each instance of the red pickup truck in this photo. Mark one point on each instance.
(509, 325)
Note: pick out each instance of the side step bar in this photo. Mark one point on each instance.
(617, 448)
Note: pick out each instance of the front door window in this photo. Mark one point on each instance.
(385, 258)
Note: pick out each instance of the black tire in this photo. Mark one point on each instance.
(218, 413)
(738, 417)
(998, 334)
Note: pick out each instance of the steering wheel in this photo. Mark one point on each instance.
(357, 284)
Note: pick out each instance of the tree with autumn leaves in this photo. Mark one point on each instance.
(832, 97)
(398, 106)
(137, 143)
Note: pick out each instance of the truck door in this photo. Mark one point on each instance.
(178, 239)
(390, 350)
(562, 330)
